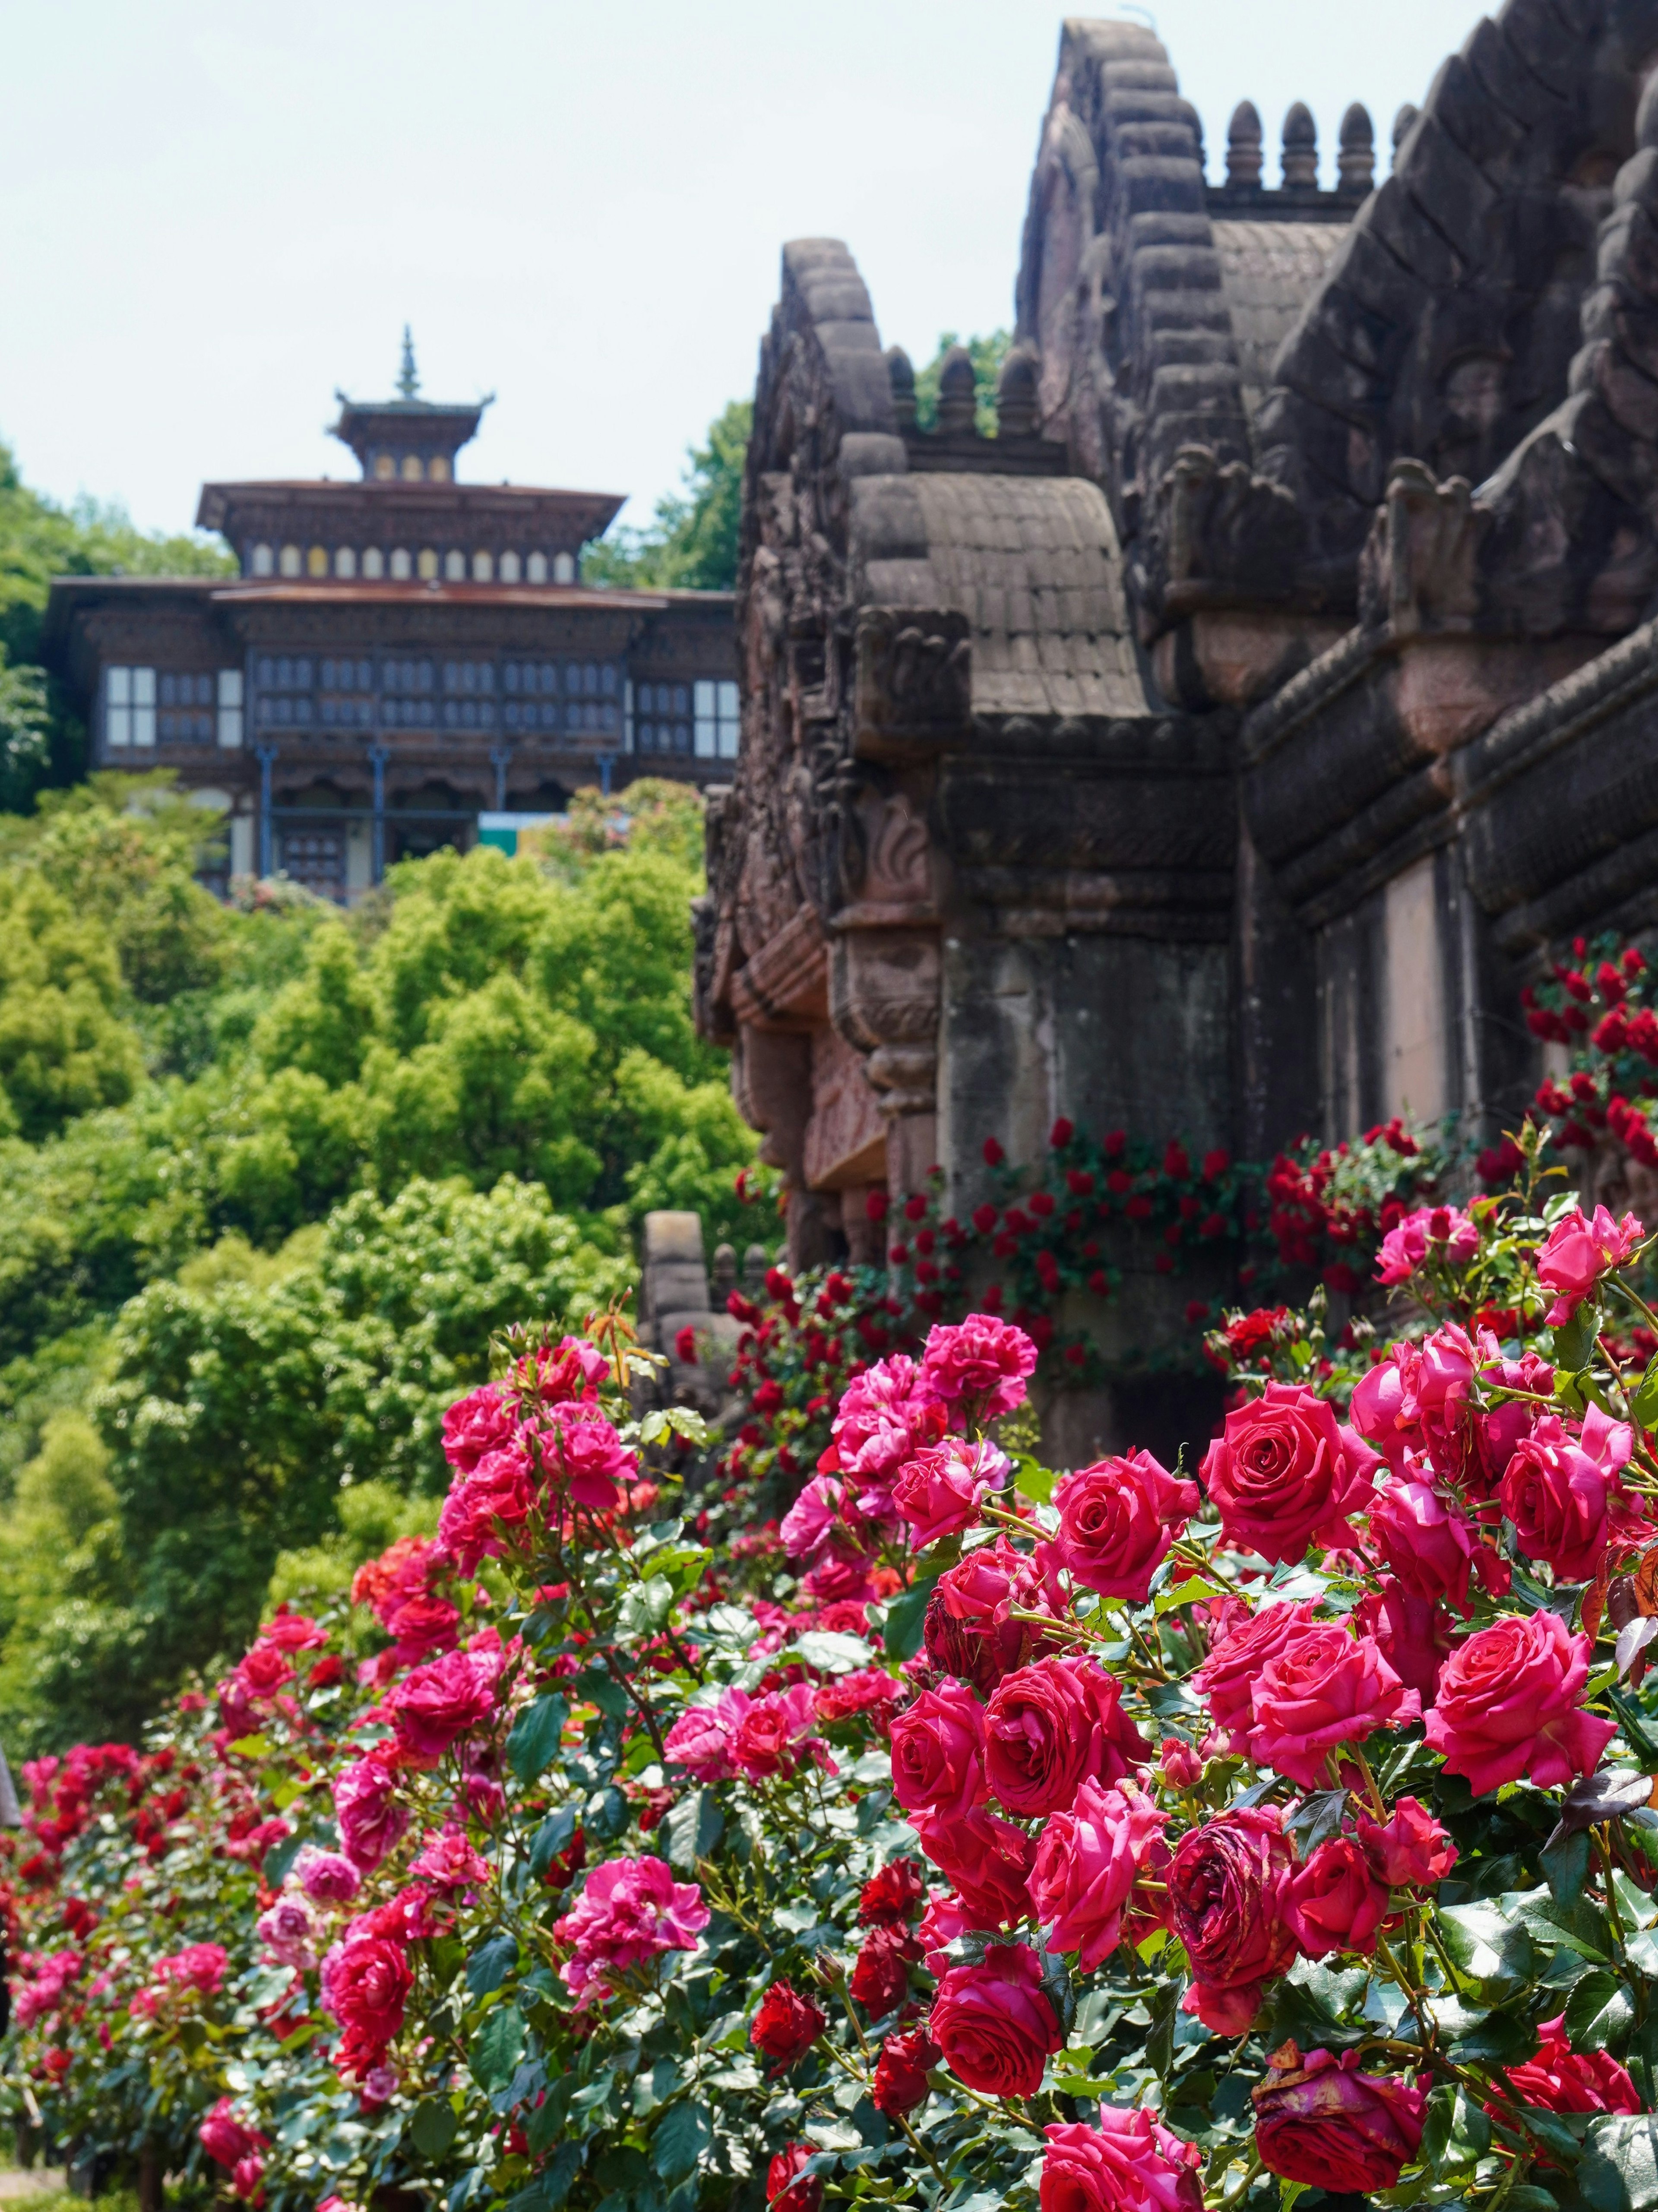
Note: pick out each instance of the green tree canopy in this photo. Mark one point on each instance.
(691, 541)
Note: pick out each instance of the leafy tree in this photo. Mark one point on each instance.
(988, 354)
(63, 1048)
(691, 541)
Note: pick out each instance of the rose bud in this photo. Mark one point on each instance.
(901, 2072)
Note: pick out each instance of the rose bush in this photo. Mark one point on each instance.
(1106, 1841)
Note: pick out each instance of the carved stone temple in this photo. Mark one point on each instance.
(1216, 747)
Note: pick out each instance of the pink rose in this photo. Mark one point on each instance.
(289, 1930)
(1409, 1852)
(987, 1862)
(1384, 1408)
(326, 1876)
(631, 1911)
(1507, 1706)
(1444, 1232)
(699, 1741)
(885, 1415)
(1414, 1634)
(1128, 2162)
(814, 1517)
(1117, 1521)
(228, 2139)
(1284, 1474)
(1499, 1433)
(1322, 2122)
(448, 1698)
(449, 1863)
(370, 1822)
(1324, 1689)
(1087, 1863)
(1226, 1906)
(994, 2022)
(1049, 1727)
(766, 1738)
(1559, 1490)
(482, 1421)
(1334, 1902)
(1226, 1679)
(980, 1363)
(1445, 1370)
(937, 1752)
(1578, 1253)
(499, 1493)
(1429, 1545)
(971, 1631)
(366, 1981)
(582, 1454)
(940, 1490)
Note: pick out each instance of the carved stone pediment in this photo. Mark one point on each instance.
(785, 985)
(914, 682)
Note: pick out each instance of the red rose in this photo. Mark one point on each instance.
(982, 1363)
(783, 2193)
(1562, 2080)
(1285, 1475)
(891, 1895)
(366, 1981)
(1507, 1706)
(1227, 1678)
(1324, 1689)
(786, 2025)
(1559, 1492)
(937, 1752)
(994, 2022)
(986, 1861)
(1429, 1545)
(1334, 1902)
(1579, 1252)
(970, 1629)
(444, 1700)
(880, 1976)
(1087, 1863)
(1414, 1634)
(901, 2072)
(1117, 1521)
(1129, 2162)
(1226, 1902)
(1411, 1850)
(1322, 2122)
(1049, 1726)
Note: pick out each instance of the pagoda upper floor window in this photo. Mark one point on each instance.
(129, 706)
(717, 721)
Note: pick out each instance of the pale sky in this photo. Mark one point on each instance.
(214, 213)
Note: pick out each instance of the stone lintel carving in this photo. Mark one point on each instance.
(912, 687)
(785, 985)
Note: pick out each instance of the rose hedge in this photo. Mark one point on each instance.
(1135, 1838)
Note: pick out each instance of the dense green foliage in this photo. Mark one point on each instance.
(41, 741)
(268, 1180)
(691, 542)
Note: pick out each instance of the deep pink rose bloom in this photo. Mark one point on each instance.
(700, 1743)
(289, 1930)
(1049, 1727)
(980, 1363)
(1129, 2162)
(500, 1489)
(366, 1981)
(1499, 1433)
(1329, 2126)
(815, 1518)
(1226, 1679)
(1446, 1230)
(449, 1863)
(1414, 1634)
(326, 1876)
(582, 1454)
(1117, 1521)
(1225, 1900)
(1334, 1901)
(1324, 1689)
(1561, 2080)
(1384, 1406)
(1578, 1253)
(767, 1736)
(945, 1918)
(986, 1861)
(1507, 1706)
(448, 1698)
(995, 2024)
(787, 2193)
(246, 2175)
(885, 1415)
(1429, 1545)
(1446, 1365)
(1180, 1765)
(631, 1911)
(265, 1669)
(937, 1752)
(1284, 1474)
(1411, 1851)
(1087, 1863)
(482, 1421)
(226, 2139)
(370, 1821)
(200, 1967)
(1559, 1490)
(939, 1492)
(970, 1629)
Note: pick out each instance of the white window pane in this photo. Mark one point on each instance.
(509, 569)
(483, 568)
(728, 702)
(143, 687)
(230, 727)
(563, 570)
(230, 687)
(120, 687)
(705, 699)
(455, 567)
(374, 563)
(263, 560)
(537, 567)
(144, 726)
(345, 561)
(118, 726)
(728, 736)
(707, 737)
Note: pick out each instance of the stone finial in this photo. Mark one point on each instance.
(755, 1264)
(1300, 149)
(959, 391)
(902, 374)
(725, 1273)
(1402, 125)
(1244, 141)
(1355, 153)
(1016, 394)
